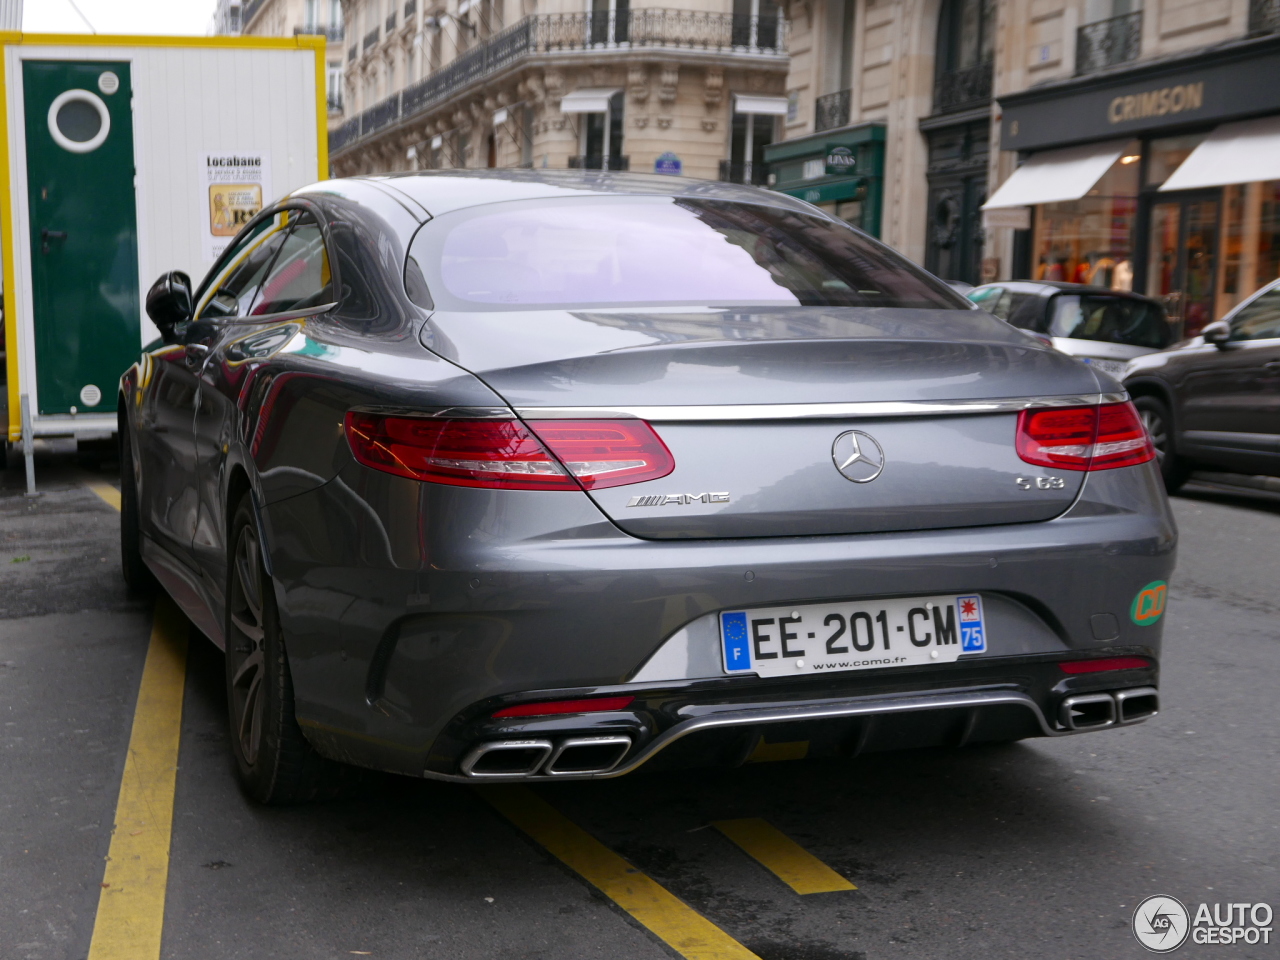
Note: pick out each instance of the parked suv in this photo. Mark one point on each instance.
(1103, 327)
(1214, 400)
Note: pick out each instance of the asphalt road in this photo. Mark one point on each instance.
(1036, 849)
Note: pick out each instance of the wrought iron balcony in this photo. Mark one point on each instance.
(332, 34)
(1108, 42)
(560, 32)
(830, 111)
(1264, 17)
(756, 174)
(370, 39)
(599, 162)
(335, 102)
(961, 89)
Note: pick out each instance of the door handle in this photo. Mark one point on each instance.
(47, 235)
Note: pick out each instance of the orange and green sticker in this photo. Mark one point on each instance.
(1148, 605)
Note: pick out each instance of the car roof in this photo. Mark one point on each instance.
(440, 191)
(1047, 287)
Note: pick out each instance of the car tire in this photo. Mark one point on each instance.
(274, 762)
(1159, 423)
(137, 575)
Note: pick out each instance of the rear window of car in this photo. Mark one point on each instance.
(635, 251)
(1138, 323)
(1003, 303)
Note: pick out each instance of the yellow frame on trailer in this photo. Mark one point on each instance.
(7, 238)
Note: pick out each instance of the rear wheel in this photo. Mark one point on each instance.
(274, 762)
(1155, 417)
(137, 576)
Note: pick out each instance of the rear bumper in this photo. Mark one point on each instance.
(729, 723)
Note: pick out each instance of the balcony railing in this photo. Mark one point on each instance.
(964, 88)
(829, 111)
(599, 162)
(335, 102)
(756, 174)
(558, 32)
(1108, 42)
(1264, 17)
(332, 34)
(370, 38)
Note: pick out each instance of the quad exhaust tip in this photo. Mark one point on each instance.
(1094, 711)
(575, 756)
(587, 755)
(506, 758)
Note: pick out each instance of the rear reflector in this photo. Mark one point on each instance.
(1103, 665)
(1084, 438)
(594, 705)
(505, 454)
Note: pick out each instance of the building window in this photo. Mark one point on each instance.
(748, 136)
(602, 138)
(963, 70)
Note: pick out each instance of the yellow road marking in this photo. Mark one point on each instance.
(772, 752)
(131, 906)
(109, 494)
(671, 919)
(791, 863)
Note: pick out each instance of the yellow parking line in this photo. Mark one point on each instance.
(107, 492)
(673, 921)
(791, 863)
(131, 906)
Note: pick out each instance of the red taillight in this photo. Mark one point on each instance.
(1084, 438)
(1105, 664)
(507, 454)
(606, 453)
(594, 705)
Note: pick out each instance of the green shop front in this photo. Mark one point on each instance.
(841, 171)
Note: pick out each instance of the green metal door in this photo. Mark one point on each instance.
(84, 231)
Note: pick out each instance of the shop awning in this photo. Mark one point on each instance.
(1055, 175)
(588, 100)
(770, 106)
(1234, 153)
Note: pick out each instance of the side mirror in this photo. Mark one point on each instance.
(1217, 333)
(169, 303)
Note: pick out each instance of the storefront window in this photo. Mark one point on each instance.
(1090, 240)
(1251, 241)
(1165, 156)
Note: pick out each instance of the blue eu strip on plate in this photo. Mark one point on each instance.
(737, 649)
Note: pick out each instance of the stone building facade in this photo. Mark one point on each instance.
(285, 18)
(555, 83)
(939, 81)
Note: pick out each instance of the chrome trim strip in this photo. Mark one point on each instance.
(718, 717)
(817, 411)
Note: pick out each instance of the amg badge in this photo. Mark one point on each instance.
(662, 499)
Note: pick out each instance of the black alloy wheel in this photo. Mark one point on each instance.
(137, 575)
(1155, 417)
(274, 762)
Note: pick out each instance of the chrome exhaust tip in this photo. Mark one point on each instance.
(1089, 711)
(506, 758)
(585, 755)
(1136, 705)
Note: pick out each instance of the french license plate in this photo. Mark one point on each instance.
(832, 637)
(1114, 367)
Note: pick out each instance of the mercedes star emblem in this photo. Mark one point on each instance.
(857, 456)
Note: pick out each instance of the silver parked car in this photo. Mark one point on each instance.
(486, 475)
(1105, 328)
